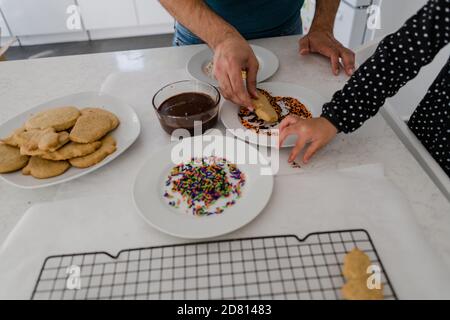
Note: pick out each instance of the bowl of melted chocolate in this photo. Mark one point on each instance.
(188, 104)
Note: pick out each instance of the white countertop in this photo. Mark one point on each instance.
(24, 84)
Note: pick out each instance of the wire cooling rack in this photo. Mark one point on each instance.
(275, 267)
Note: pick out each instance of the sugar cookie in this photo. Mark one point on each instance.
(91, 127)
(43, 169)
(72, 150)
(357, 289)
(12, 139)
(60, 119)
(107, 148)
(356, 263)
(36, 142)
(114, 120)
(10, 159)
(264, 109)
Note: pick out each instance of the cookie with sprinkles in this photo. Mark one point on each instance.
(204, 186)
(283, 106)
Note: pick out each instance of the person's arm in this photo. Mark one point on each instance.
(201, 20)
(397, 59)
(324, 15)
(320, 38)
(232, 53)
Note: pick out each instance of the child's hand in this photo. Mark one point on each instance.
(317, 131)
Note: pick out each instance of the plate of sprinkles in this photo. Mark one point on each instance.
(286, 99)
(205, 193)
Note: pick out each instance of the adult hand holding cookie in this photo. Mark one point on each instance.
(231, 56)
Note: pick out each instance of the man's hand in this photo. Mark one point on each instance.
(323, 42)
(232, 56)
(318, 132)
(320, 38)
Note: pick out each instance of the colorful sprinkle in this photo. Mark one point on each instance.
(202, 183)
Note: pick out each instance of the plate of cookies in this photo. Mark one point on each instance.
(65, 138)
(276, 100)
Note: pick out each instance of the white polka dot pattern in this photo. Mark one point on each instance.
(431, 120)
(398, 59)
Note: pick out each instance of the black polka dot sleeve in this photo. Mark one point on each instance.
(398, 59)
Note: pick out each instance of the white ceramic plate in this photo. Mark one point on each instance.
(230, 119)
(149, 188)
(125, 134)
(196, 67)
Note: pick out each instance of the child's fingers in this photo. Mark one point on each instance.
(286, 129)
(297, 148)
(311, 150)
(289, 120)
(286, 133)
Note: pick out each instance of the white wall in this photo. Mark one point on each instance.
(394, 14)
(4, 32)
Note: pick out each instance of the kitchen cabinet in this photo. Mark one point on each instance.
(31, 17)
(106, 14)
(46, 21)
(124, 18)
(152, 13)
(42, 21)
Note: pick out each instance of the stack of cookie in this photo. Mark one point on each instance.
(53, 140)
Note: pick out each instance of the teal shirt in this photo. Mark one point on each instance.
(253, 18)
